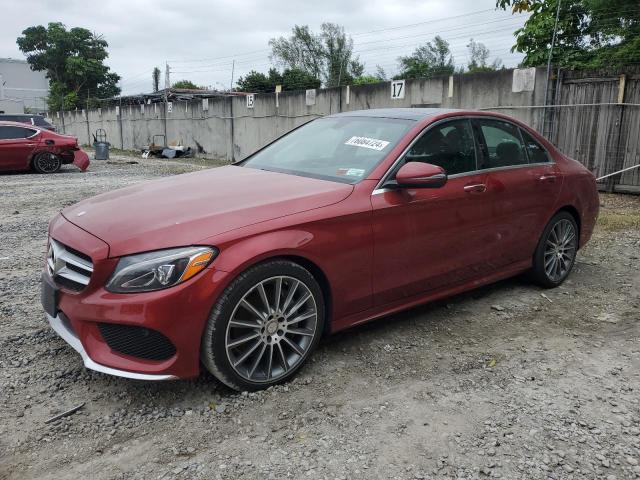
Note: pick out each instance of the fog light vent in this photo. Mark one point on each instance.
(137, 341)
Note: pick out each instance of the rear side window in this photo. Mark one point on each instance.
(535, 151)
(449, 145)
(504, 145)
(12, 133)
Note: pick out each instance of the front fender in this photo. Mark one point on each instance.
(340, 248)
(239, 256)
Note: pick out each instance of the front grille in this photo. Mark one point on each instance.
(69, 268)
(137, 341)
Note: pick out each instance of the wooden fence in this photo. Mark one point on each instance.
(595, 118)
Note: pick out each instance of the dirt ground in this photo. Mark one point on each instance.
(507, 381)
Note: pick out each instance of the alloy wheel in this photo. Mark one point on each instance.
(271, 329)
(560, 250)
(48, 162)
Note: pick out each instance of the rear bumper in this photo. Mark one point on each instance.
(62, 327)
(80, 159)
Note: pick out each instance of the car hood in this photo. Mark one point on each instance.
(184, 209)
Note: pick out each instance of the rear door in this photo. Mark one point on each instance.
(523, 183)
(427, 239)
(16, 146)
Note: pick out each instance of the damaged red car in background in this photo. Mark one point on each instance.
(30, 147)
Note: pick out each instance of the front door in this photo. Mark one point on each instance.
(427, 239)
(16, 146)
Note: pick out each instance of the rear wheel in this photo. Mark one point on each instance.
(264, 326)
(556, 251)
(46, 162)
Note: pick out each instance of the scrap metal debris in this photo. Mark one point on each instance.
(162, 150)
(71, 411)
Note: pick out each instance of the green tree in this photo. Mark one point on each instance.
(187, 84)
(479, 58)
(340, 64)
(327, 55)
(381, 75)
(365, 80)
(297, 79)
(290, 79)
(590, 33)
(429, 60)
(257, 82)
(73, 61)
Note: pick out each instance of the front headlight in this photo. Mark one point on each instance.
(146, 272)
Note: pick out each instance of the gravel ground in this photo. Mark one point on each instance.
(506, 381)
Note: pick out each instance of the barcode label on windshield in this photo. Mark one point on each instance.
(366, 142)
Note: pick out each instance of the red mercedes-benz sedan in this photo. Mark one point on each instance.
(31, 147)
(348, 218)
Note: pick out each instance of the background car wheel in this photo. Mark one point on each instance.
(556, 251)
(264, 326)
(46, 162)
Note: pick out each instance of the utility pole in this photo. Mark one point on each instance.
(120, 123)
(87, 118)
(167, 86)
(233, 67)
(553, 42)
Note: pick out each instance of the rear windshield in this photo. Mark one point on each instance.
(41, 122)
(343, 149)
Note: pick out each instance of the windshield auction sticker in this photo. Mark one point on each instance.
(350, 172)
(366, 142)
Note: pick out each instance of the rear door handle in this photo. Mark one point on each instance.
(547, 178)
(475, 188)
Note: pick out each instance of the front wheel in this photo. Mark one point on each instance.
(556, 251)
(264, 326)
(46, 162)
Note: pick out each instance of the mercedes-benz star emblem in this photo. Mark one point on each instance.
(53, 263)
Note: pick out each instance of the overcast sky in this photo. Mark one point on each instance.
(200, 38)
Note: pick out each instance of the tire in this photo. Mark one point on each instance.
(248, 346)
(46, 162)
(556, 252)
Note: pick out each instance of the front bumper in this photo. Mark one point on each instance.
(61, 326)
(178, 313)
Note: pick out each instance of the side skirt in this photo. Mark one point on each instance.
(410, 302)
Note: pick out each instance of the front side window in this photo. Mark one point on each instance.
(536, 153)
(450, 146)
(13, 133)
(344, 149)
(504, 144)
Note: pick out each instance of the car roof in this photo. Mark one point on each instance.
(7, 123)
(400, 113)
(26, 115)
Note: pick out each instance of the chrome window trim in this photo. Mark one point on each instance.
(379, 189)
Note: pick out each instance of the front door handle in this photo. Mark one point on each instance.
(475, 188)
(547, 178)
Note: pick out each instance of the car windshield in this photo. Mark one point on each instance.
(343, 149)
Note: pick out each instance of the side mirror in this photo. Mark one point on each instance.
(420, 175)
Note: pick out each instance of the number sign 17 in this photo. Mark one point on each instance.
(397, 89)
